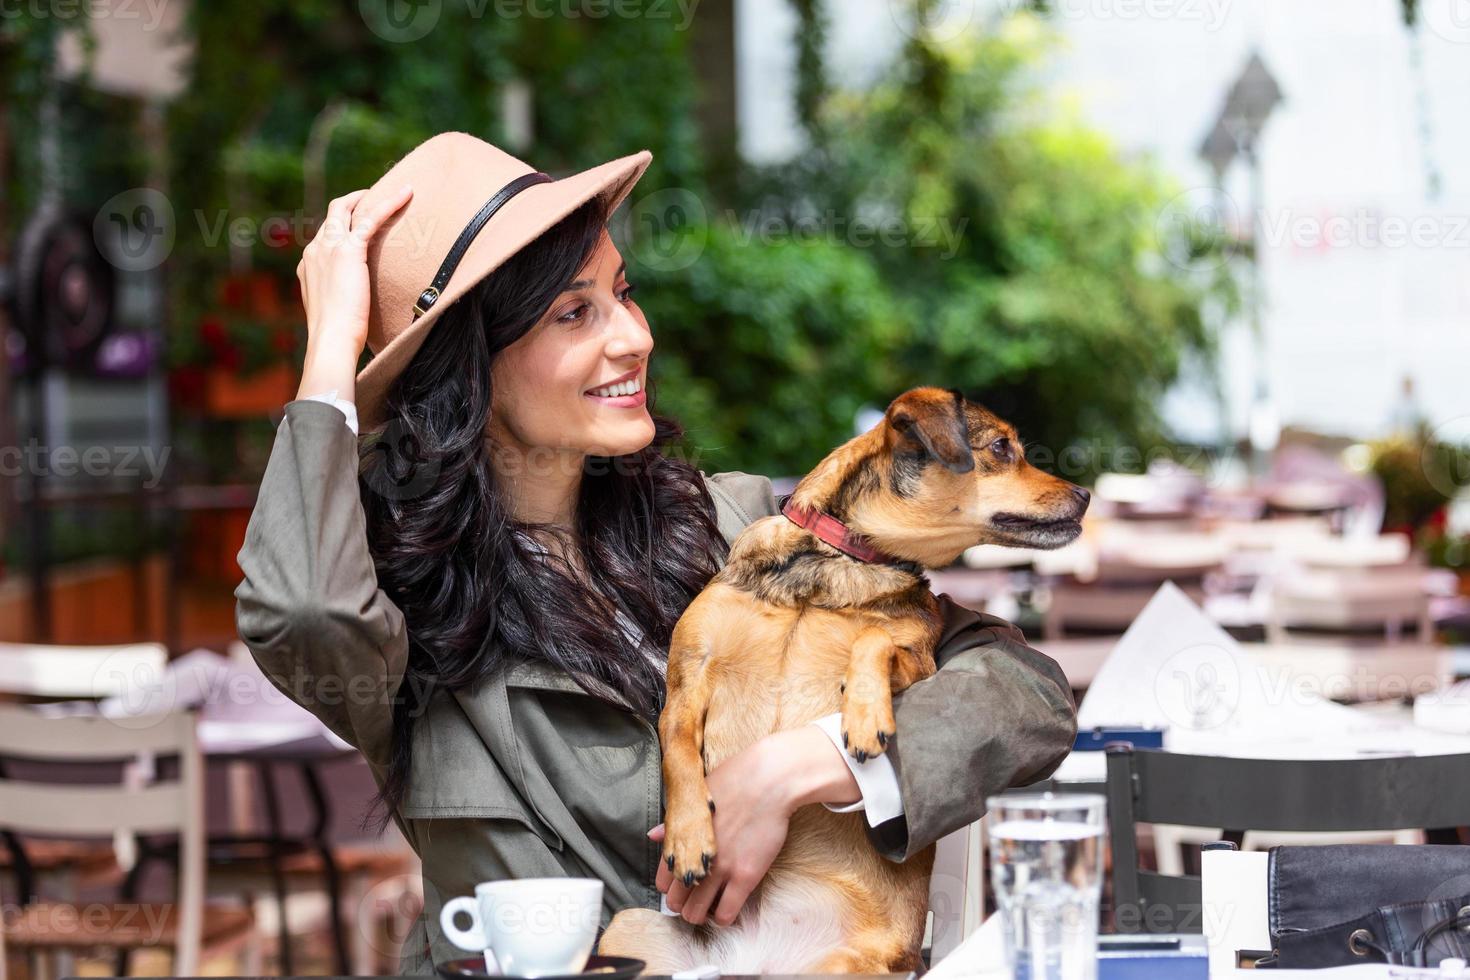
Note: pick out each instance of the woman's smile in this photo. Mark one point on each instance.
(624, 392)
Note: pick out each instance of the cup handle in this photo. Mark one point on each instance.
(471, 939)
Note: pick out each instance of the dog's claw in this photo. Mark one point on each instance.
(842, 689)
(689, 879)
(844, 740)
(862, 756)
(670, 862)
(704, 859)
(883, 739)
(711, 806)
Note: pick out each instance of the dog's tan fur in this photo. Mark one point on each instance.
(793, 629)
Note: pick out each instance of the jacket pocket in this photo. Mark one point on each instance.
(456, 776)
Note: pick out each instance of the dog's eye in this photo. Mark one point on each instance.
(1001, 448)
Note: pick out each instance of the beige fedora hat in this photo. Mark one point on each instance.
(473, 207)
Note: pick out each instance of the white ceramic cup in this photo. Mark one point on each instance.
(528, 927)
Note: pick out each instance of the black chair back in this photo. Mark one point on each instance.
(1152, 786)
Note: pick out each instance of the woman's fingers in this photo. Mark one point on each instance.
(364, 225)
(677, 894)
(697, 906)
(732, 900)
(338, 222)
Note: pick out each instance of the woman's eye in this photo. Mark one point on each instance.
(627, 293)
(575, 313)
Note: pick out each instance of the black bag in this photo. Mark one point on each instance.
(1341, 905)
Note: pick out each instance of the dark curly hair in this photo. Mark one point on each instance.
(473, 593)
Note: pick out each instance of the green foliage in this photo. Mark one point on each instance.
(1418, 474)
(970, 234)
(766, 351)
(1031, 265)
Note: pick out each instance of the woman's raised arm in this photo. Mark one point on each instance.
(309, 607)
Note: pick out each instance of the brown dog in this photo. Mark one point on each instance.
(791, 629)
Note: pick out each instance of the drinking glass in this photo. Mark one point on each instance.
(1046, 868)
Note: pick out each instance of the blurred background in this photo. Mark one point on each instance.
(1210, 256)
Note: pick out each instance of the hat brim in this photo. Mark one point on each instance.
(521, 221)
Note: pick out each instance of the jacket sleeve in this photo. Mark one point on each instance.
(997, 714)
(309, 607)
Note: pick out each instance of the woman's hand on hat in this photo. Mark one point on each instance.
(335, 290)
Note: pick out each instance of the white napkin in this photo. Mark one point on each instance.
(1178, 670)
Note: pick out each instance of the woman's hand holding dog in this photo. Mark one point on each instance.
(334, 289)
(755, 792)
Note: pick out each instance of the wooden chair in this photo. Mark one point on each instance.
(27, 806)
(35, 671)
(1327, 795)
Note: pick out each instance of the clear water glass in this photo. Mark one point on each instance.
(1046, 868)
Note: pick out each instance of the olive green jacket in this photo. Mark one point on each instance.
(524, 774)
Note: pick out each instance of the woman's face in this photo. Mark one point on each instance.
(550, 387)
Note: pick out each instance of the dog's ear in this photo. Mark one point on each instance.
(938, 430)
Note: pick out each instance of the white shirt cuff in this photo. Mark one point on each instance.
(347, 408)
(876, 778)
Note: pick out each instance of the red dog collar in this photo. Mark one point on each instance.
(835, 533)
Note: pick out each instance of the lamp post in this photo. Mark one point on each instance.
(1236, 134)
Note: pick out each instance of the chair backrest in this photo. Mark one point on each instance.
(1149, 786)
(1075, 606)
(1351, 600)
(957, 888)
(39, 670)
(56, 809)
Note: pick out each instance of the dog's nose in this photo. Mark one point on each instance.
(1082, 495)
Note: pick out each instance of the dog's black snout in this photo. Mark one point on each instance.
(1084, 497)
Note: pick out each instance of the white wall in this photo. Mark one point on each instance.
(1350, 309)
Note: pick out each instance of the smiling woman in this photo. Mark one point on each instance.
(480, 593)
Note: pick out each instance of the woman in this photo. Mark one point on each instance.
(480, 598)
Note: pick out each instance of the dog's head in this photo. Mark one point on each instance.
(938, 475)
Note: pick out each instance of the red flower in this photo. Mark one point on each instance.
(186, 386)
(212, 331)
(232, 292)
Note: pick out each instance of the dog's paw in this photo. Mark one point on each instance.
(867, 727)
(689, 846)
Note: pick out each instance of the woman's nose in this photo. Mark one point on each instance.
(630, 336)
